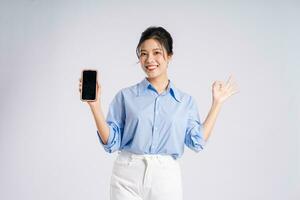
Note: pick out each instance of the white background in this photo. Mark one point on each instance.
(49, 147)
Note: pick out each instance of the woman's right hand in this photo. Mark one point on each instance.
(98, 91)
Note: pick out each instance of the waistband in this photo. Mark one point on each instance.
(148, 159)
(131, 155)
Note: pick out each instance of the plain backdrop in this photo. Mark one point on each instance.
(49, 147)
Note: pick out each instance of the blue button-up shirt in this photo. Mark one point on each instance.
(142, 121)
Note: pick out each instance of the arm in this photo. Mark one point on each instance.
(211, 119)
(221, 92)
(110, 129)
(103, 129)
(102, 126)
(95, 106)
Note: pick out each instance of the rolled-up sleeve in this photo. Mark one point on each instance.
(194, 136)
(115, 120)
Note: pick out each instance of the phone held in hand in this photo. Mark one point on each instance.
(89, 84)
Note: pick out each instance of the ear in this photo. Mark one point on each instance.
(170, 57)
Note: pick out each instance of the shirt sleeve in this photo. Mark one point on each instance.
(115, 120)
(194, 136)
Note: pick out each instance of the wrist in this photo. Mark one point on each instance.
(94, 105)
(217, 104)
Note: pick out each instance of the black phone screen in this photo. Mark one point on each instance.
(89, 81)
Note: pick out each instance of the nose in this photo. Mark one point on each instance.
(149, 58)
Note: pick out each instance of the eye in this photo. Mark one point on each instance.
(157, 52)
(143, 54)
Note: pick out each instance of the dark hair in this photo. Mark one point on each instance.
(161, 35)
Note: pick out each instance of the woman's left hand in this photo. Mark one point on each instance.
(221, 90)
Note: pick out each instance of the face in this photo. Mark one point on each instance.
(154, 59)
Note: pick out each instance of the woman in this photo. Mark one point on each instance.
(150, 122)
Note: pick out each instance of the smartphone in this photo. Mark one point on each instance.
(89, 84)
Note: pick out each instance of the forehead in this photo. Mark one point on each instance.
(150, 44)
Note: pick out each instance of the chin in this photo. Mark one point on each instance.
(153, 75)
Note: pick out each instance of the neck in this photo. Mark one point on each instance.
(159, 83)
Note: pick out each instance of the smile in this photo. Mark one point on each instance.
(151, 67)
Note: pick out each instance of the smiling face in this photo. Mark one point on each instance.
(154, 59)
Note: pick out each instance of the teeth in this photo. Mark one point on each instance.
(151, 67)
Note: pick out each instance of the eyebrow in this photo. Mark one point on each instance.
(152, 49)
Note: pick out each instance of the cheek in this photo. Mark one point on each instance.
(143, 59)
(142, 65)
(162, 61)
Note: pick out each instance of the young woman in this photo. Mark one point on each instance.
(150, 122)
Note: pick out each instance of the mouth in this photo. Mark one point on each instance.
(151, 67)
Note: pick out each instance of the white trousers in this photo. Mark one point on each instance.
(145, 177)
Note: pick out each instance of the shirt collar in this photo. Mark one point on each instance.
(145, 85)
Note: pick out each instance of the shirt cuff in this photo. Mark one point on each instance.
(197, 139)
(107, 147)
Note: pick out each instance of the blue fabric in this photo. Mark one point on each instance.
(142, 121)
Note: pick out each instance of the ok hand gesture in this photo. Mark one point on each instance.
(221, 90)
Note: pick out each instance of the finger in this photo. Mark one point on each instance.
(234, 91)
(223, 84)
(229, 81)
(230, 78)
(228, 95)
(233, 88)
(234, 84)
(217, 84)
